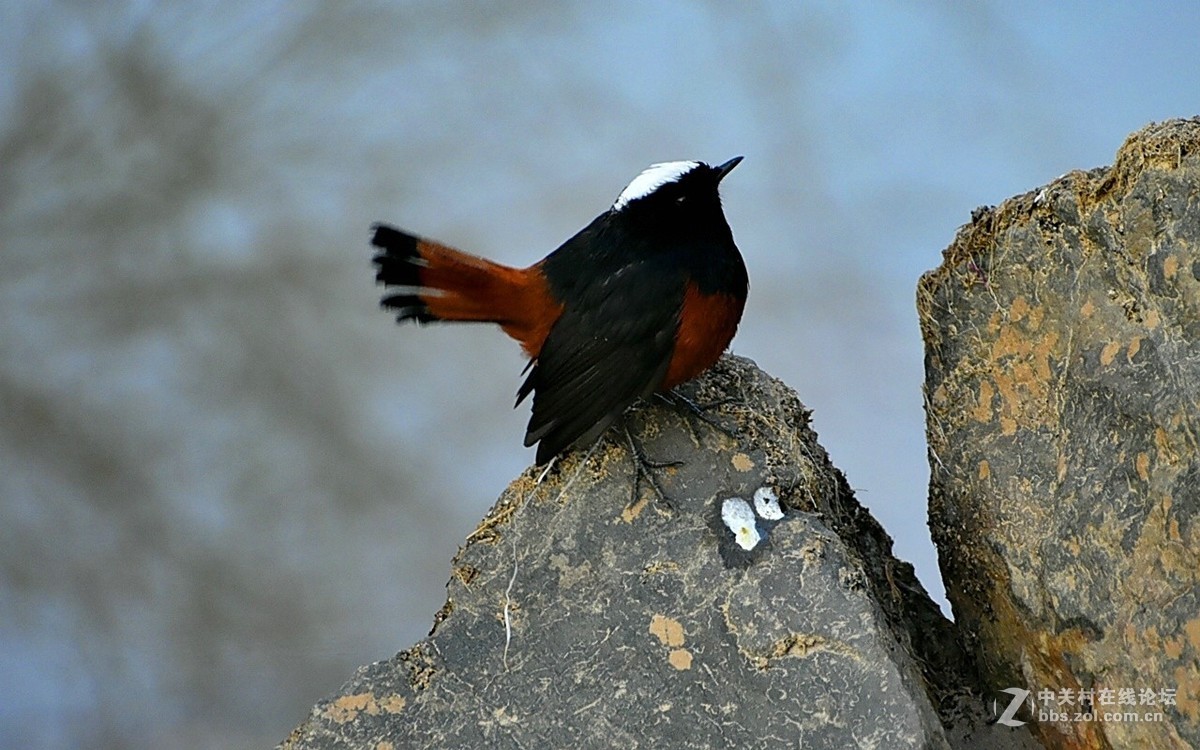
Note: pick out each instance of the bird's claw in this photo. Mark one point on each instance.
(645, 468)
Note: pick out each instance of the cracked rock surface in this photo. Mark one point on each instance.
(583, 614)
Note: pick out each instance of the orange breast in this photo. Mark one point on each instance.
(706, 326)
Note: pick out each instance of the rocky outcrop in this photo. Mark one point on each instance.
(1062, 333)
(581, 613)
(757, 604)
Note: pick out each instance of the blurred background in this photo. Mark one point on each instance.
(227, 478)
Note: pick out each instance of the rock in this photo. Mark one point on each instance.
(1062, 335)
(579, 615)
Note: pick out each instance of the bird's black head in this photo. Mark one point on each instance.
(677, 199)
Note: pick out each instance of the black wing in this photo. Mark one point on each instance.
(611, 346)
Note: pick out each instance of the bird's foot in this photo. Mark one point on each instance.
(701, 411)
(644, 468)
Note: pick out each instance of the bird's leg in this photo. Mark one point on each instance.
(643, 467)
(701, 412)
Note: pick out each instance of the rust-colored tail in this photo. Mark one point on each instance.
(436, 282)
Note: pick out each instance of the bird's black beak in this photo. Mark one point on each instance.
(727, 167)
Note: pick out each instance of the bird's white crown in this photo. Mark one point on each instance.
(652, 178)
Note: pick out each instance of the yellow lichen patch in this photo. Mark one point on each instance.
(1008, 426)
(1034, 320)
(1173, 531)
(1170, 267)
(631, 512)
(1088, 309)
(1021, 375)
(347, 707)
(680, 658)
(1187, 694)
(985, 470)
(1142, 464)
(1009, 342)
(1008, 402)
(1018, 309)
(385, 745)
(1173, 646)
(1152, 319)
(1192, 628)
(1023, 372)
(742, 462)
(983, 409)
(667, 630)
(1162, 447)
(1109, 352)
(1134, 347)
(394, 703)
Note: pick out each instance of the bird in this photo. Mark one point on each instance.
(644, 298)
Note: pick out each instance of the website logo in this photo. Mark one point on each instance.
(1008, 717)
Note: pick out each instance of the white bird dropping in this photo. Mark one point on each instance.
(766, 502)
(739, 519)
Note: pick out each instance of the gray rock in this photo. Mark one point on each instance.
(581, 615)
(1062, 336)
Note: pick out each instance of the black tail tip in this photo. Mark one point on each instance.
(397, 265)
(398, 262)
(393, 241)
(408, 307)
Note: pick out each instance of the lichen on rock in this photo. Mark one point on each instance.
(1062, 335)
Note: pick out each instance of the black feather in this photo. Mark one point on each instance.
(399, 265)
(611, 346)
(623, 279)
